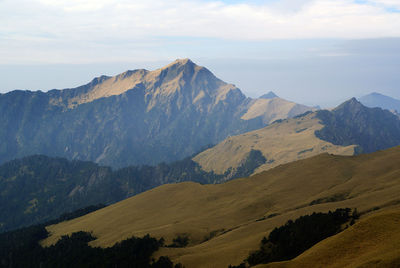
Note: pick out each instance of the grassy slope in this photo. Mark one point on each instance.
(364, 182)
(372, 242)
(280, 143)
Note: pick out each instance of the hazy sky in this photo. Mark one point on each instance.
(309, 51)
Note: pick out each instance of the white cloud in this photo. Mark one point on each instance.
(30, 29)
(388, 3)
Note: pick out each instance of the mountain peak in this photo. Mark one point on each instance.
(184, 61)
(179, 63)
(353, 103)
(269, 95)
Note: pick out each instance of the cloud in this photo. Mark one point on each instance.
(89, 29)
(388, 3)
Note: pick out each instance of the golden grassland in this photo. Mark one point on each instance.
(226, 221)
(280, 143)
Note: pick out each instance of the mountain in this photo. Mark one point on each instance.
(137, 117)
(350, 128)
(371, 129)
(224, 222)
(379, 100)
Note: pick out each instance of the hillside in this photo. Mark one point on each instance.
(373, 242)
(137, 117)
(280, 143)
(350, 128)
(38, 188)
(225, 222)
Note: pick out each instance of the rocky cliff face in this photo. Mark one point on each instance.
(137, 117)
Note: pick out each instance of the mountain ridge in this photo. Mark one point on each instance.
(128, 80)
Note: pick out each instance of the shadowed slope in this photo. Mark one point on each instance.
(351, 122)
(239, 213)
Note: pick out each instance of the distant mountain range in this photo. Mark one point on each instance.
(350, 128)
(379, 100)
(137, 117)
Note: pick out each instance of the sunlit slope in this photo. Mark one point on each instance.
(373, 242)
(280, 143)
(240, 211)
